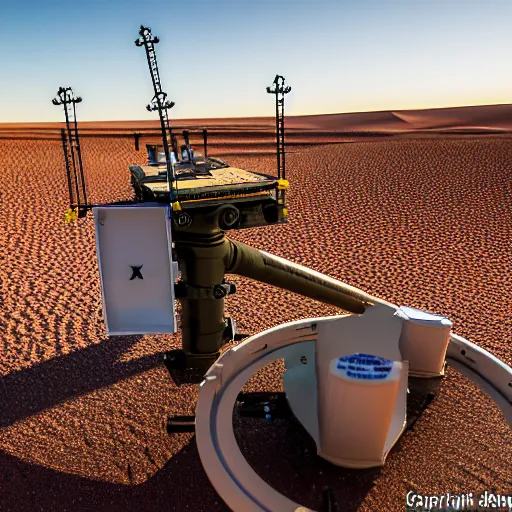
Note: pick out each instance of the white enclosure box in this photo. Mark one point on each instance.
(134, 248)
(424, 341)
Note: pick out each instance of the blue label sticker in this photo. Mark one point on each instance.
(365, 366)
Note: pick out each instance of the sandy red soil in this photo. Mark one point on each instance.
(419, 222)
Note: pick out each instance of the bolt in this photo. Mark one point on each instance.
(304, 360)
(184, 220)
(219, 292)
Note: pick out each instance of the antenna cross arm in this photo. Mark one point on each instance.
(146, 37)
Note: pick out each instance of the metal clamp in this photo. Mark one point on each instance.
(183, 290)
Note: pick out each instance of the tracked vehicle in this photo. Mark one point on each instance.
(250, 199)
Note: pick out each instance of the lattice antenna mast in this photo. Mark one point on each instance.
(159, 102)
(279, 89)
(72, 153)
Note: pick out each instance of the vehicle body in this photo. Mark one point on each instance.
(203, 182)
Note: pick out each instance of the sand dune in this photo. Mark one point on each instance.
(364, 121)
(257, 135)
(424, 223)
(488, 117)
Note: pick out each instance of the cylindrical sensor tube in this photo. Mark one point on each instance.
(360, 399)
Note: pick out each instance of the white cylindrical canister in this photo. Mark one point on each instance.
(360, 399)
(424, 341)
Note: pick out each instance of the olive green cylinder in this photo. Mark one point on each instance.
(203, 252)
(205, 256)
(203, 267)
(282, 273)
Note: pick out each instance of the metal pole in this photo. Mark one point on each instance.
(70, 142)
(160, 99)
(204, 140)
(187, 143)
(170, 177)
(277, 133)
(77, 140)
(68, 170)
(282, 140)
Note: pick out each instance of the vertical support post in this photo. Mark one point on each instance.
(174, 143)
(72, 202)
(205, 135)
(283, 152)
(79, 152)
(187, 144)
(72, 151)
(161, 104)
(278, 149)
(279, 89)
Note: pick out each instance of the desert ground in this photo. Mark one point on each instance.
(414, 207)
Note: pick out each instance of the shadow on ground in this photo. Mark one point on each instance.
(181, 485)
(31, 390)
(284, 455)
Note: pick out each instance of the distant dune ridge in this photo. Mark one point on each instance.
(256, 135)
(488, 117)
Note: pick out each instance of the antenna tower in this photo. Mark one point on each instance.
(279, 89)
(72, 153)
(160, 103)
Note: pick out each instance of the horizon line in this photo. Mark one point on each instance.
(271, 117)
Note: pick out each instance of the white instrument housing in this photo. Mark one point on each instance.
(134, 248)
(354, 421)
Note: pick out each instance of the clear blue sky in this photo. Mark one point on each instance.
(217, 56)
